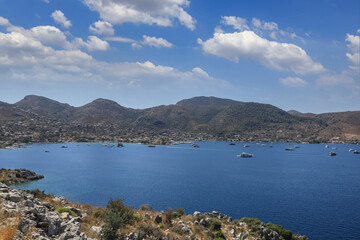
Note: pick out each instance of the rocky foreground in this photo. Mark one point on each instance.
(36, 215)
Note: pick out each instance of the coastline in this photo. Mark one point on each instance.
(42, 216)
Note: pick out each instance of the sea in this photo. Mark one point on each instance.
(305, 190)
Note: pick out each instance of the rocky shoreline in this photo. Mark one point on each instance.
(35, 215)
(18, 176)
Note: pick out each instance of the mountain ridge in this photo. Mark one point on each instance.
(218, 117)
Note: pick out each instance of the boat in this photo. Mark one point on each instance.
(120, 144)
(296, 146)
(195, 145)
(245, 155)
(151, 146)
(289, 149)
(245, 145)
(332, 153)
(326, 146)
(46, 151)
(351, 150)
(334, 148)
(356, 152)
(270, 146)
(232, 144)
(63, 146)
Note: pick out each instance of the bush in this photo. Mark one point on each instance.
(219, 235)
(180, 212)
(38, 193)
(99, 213)
(215, 226)
(286, 234)
(145, 231)
(18, 175)
(62, 210)
(162, 225)
(169, 215)
(253, 223)
(116, 216)
(145, 207)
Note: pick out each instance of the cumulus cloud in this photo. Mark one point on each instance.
(354, 47)
(237, 22)
(293, 82)
(147, 40)
(248, 45)
(4, 22)
(156, 42)
(349, 77)
(60, 18)
(102, 28)
(264, 25)
(158, 12)
(24, 57)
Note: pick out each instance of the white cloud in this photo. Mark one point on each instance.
(354, 46)
(96, 44)
(102, 28)
(156, 42)
(25, 58)
(4, 22)
(120, 39)
(158, 12)
(248, 45)
(293, 82)
(271, 26)
(60, 18)
(237, 22)
(348, 78)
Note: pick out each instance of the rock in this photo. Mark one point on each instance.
(196, 213)
(96, 229)
(230, 219)
(158, 219)
(64, 215)
(15, 198)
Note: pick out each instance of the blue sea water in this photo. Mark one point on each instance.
(305, 190)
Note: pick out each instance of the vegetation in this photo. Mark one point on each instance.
(116, 216)
(286, 234)
(215, 226)
(253, 223)
(39, 194)
(180, 212)
(219, 235)
(62, 210)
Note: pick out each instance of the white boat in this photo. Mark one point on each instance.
(351, 150)
(63, 146)
(296, 146)
(289, 149)
(245, 155)
(326, 146)
(245, 145)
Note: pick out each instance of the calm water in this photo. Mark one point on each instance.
(304, 190)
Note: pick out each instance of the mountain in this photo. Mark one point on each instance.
(102, 111)
(11, 112)
(199, 115)
(45, 106)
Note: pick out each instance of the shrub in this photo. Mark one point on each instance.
(18, 175)
(219, 235)
(98, 213)
(136, 217)
(162, 225)
(145, 207)
(215, 226)
(145, 231)
(180, 212)
(253, 223)
(116, 216)
(169, 216)
(38, 193)
(286, 234)
(62, 210)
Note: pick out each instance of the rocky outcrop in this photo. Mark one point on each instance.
(17, 176)
(38, 219)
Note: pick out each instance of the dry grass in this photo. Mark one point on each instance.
(9, 225)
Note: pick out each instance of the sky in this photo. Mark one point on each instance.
(302, 55)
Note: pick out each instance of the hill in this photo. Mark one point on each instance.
(199, 117)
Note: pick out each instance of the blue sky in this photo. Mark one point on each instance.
(301, 55)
